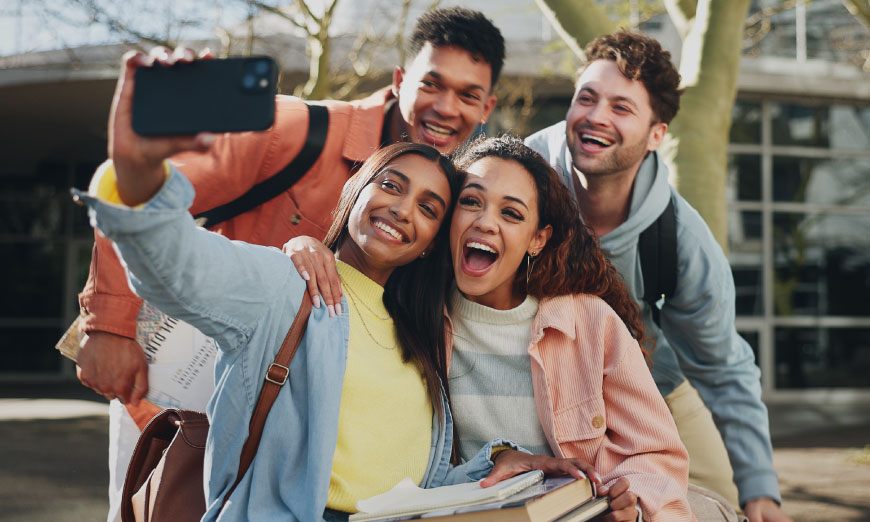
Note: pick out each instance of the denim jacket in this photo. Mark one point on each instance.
(245, 297)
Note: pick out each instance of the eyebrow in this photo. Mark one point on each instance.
(431, 193)
(438, 76)
(480, 187)
(624, 99)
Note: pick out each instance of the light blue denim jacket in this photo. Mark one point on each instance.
(697, 339)
(245, 297)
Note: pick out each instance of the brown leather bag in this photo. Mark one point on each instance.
(164, 477)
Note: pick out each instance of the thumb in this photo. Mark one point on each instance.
(497, 474)
(140, 385)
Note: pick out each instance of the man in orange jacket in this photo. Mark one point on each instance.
(439, 96)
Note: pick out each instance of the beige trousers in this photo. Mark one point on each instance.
(709, 466)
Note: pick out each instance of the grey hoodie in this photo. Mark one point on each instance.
(697, 340)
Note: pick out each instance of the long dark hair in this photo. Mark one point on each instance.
(415, 294)
(572, 261)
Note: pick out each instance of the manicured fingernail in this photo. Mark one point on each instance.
(582, 475)
(331, 309)
(305, 275)
(338, 308)
(207, 138)
(596, 477)
(316, 301)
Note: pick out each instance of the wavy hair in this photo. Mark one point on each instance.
(415, 294)
(572, 261)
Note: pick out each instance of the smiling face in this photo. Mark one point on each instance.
(443, 94)
(494, 226)
(396, 217)
(610, 124)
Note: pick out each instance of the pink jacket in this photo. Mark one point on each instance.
(597, 401)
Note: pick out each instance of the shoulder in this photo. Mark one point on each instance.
(584, 314)
(548, 139)
(694, 237)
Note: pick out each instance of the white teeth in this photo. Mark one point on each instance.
(480, 246)
(602, 141)
(389, 230)
(438, 130)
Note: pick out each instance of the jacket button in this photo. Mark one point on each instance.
(598, 421)
(295, 219)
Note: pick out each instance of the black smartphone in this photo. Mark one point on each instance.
(217, 95)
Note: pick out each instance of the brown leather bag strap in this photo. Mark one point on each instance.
(276, 376)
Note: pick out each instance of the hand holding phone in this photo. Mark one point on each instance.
(217, 95)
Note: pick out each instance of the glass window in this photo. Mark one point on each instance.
(822, 357)
(819, 262)
(825, 181)
(746, 122)
(753, 339)
(29, 350)
(745, 256)
(744, 177)
(838, 127)
(36, 283)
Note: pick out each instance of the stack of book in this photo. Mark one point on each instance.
(525, 498)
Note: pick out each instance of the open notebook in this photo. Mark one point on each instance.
(407, 499)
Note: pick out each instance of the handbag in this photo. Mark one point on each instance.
(164, 478)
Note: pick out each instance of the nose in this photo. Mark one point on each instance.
(401, 209)
(486, 222)
(446, 104)
(597, 115)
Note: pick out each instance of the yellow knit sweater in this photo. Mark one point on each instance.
(385, 419)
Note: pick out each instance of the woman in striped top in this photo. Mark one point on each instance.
(545, 345)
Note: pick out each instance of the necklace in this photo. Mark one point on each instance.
(353, 301)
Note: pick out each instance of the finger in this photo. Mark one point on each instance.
(622, 515)
(140, 385)
(497, 474)
(324, 272)
(183, 55)
(206, 54)
(202, 142)
(619, 487)
(310, 277)
(623, 501)
(160, 55)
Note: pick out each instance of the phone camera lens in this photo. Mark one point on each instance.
(261, 67)
(249, 81)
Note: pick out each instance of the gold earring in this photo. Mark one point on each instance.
(529, 266)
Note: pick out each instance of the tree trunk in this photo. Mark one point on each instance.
(577, 21)
(697, 149)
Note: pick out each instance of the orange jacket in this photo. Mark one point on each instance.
(597, 401)
(234, 164)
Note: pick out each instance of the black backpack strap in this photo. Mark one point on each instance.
(268, 189)
(658, 259)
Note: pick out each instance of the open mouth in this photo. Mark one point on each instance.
(478, 256)
(598, 141)
(438, 132)
(390, 231)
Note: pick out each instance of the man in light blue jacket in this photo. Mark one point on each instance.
(624, 98)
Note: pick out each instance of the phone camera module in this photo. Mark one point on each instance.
(257, 75)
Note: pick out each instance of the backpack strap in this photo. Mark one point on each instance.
(272, 187)
(275, 378)
(657, 246)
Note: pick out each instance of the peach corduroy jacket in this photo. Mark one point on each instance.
(597, 401)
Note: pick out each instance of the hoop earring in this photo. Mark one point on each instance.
(529, 265)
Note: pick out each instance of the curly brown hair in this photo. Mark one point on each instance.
(572, 261)
(642, 58)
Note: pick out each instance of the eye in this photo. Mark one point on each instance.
(428, 84)
(468, 201)
(390, 186)
(429, 210)
(621, 108)
(512, 214)
(471, 96)
(584, 98)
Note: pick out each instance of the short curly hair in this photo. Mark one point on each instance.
(464, 28)
(641, 58)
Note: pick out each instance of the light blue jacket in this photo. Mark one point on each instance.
(697, 339)
(245, 297)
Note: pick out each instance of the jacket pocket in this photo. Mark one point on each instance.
(586, 419)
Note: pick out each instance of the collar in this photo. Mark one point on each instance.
(366, 125)
(558, 313)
